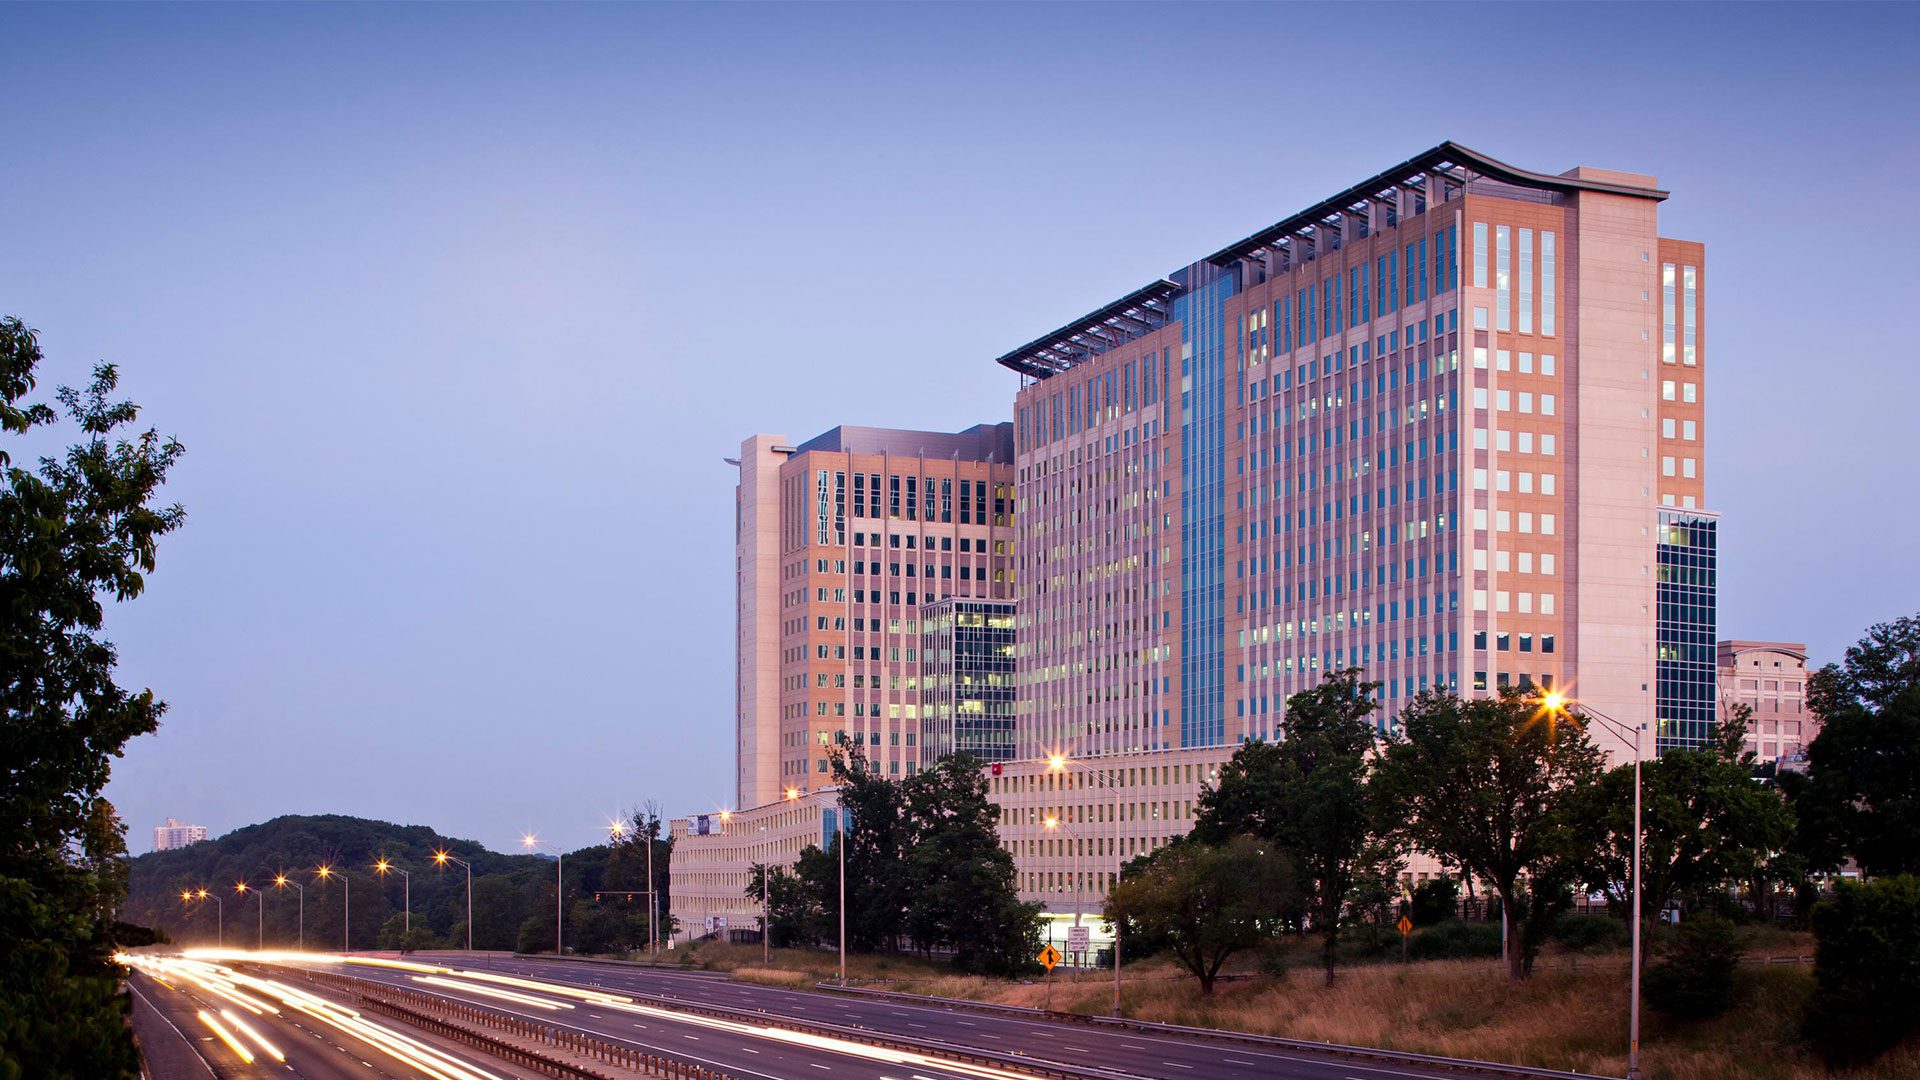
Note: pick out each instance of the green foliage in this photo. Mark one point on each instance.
(1706, 823)
(1307, 795)
(394, 934)
(1490, 786)
(1206, 902)
(77, 532)
(1455, 939)
(1866, 969)
(1589, 933)
(923, 861)
(521, 886)
(1435, 900)
(1694, 976)
(786, 903)
(963, 894)
(1861, 795)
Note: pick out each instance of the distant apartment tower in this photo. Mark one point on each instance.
(841, 543)
(1445, 426)
(1770, 677)
(966, 679)
(177, 834)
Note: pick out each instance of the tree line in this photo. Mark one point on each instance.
(513, 901)
(1308, 835)
(924, 870)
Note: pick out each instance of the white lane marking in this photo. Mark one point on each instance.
(818, 1066)
(1237, 1061)
(1176, 1065)
(749, 1050)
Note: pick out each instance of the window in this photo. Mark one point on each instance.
(1503, 279)
(1479, 263)
(1546, 292)
(1667, 355)
(1688, 355)
(1526, 281)
(1666, 390)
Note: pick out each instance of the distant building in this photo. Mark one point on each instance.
(1770, 677)
(177, 834)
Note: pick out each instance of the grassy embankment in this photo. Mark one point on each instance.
(1570, 1015)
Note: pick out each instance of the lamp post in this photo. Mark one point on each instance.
(220, 928)
(260, 914)
(1060, 763)
(281, 881)
(531, 842)
(443, 858)
(326, 873)
(1054, 823)
(385, 866)
(1559, 703)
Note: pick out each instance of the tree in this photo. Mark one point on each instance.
(1488, 785)
(1307, 794)
(394, 934)
(1204, 902)
(1435, 900)
(962, 891)
(1861, 795)
(785, 901)
(79, 530)
(1705, 823)
(1866, 969)
(1694, 975)
(876, 843)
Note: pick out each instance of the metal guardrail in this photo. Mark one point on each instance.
(1150, 1027)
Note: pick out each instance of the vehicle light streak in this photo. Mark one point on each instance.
(493, 992)
(260, 1040)
(226, 1036)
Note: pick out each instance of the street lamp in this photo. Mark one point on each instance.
(1054, 823)
(220, 930)
(260, 903)
(385, 866)
(619, 831)
(531, 842)
(281, 881)
(1059, 763)
(1562, 705)
(325, 873)
(442, 858)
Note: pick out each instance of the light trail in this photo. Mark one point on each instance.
(260, 1040)
(226, 1036)
(493, 992)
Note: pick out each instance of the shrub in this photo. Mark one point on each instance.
(1435, 901)
(1455, 939)
(1694, 976)
(1866, 969)
(1589, 933)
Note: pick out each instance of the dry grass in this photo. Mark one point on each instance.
(1561, 1018)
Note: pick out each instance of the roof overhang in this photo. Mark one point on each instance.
(1134, 315)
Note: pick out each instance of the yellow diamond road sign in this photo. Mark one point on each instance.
(1406, 925)
(1049, 956)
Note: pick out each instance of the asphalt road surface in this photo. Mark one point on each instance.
(176, 1044)
(770, 1053)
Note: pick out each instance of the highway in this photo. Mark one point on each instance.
(197, 1024)
(769, 1052)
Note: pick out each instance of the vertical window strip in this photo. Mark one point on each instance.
(1503, 278)
(1688, 354)
(1666, 313)
(1526, 281)
(1479, 254)
(1546, 284)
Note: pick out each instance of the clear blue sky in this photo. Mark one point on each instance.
(457, 309)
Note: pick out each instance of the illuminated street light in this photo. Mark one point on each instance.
(326, 873)
(1559, 704)
(220, 934)
(281, 881)
(442, 858)
(385, 866)
(1054, 823)
(619, 831)
(530, 842)
(1060, 764)
(260, 902)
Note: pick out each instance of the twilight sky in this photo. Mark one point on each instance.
(458, 308)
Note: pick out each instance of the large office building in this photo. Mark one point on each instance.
(1446, 426)
(841, 544)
